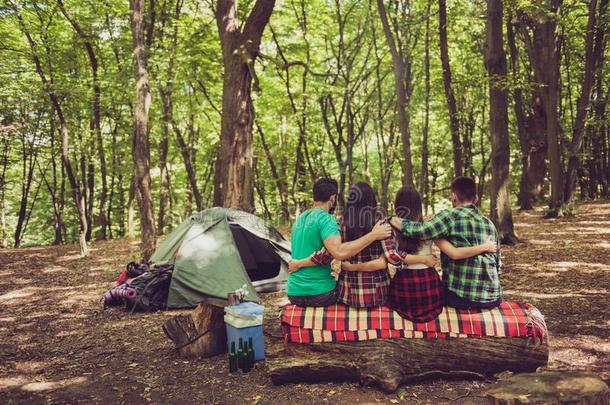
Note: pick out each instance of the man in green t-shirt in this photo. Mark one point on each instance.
(317, 228)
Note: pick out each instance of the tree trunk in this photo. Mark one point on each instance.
(77, 195)
(279, 182)
(140, 141)
(200, 333)
(234, 181)
(425, 183)
(543, 52)
(495, 62)
(594, 53)
(189, 166)
(451, 103)
(4, 159)
(401, 87)
(388, 363)
(28, 163)
(525, 199)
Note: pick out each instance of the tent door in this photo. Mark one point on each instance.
(258, 256)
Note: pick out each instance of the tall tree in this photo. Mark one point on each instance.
(95, 125)
(425, 183)
(454, 121)
(539, 32)
(403, 88)
(234, 176)
(495, 62)
(594, 53)
(140, 141)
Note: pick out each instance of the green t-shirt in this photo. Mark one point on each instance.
(309, 231)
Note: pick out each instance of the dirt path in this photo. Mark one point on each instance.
(58, 345)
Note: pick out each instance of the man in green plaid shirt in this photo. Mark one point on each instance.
(468, 283)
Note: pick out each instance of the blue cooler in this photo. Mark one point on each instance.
(245, 321)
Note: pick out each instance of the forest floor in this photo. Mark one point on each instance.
(58, 345)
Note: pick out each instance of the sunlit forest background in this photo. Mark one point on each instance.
(395, 92)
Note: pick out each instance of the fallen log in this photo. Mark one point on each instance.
(388, 363)
(200, 333)
(550, 387)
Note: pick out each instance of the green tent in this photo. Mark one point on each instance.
(219, 250)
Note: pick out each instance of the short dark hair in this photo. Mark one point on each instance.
(324, 188)
(464, 188)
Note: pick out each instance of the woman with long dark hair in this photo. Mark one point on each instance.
(416, 291)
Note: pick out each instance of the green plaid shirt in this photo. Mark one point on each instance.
(476, 278)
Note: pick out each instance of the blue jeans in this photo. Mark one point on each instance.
(319, 300)
(455, 301)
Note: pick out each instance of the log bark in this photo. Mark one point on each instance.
(388, 363)
(200, 333)
(550, 387)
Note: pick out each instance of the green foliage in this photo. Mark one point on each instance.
(312, 50)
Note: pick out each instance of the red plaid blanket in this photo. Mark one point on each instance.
(337, 323)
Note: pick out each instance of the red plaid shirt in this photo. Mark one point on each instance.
(363, 289)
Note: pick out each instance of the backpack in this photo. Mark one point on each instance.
(152, 289)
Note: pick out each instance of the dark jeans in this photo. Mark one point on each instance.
(320, 300)
(455, 301)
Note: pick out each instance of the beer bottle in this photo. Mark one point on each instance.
(251, 352)
(233, 359)
(240, 354)
(246, 360)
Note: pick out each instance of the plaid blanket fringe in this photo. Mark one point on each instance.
(340, 323)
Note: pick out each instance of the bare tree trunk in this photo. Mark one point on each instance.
(402, 84)
(188, 164)
(77, 195)
(234, 181)
(525, 198)
(495, 62)
(140, 141)
(425, 183)
(594, 53)
(29, 155)
(451, 103)
(279, 182)
(4, 138)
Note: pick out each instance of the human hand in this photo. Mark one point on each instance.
(347, 266)
(490, 247)
(381, 230)
(396, 222)
(293, 266)
(430, 260)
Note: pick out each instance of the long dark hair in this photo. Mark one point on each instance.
(407, 205)
(360, 212)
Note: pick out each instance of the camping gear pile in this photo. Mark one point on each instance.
(340, 323)
(141, 288)
(211, 254)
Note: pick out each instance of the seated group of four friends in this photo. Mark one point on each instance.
(365, 242)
